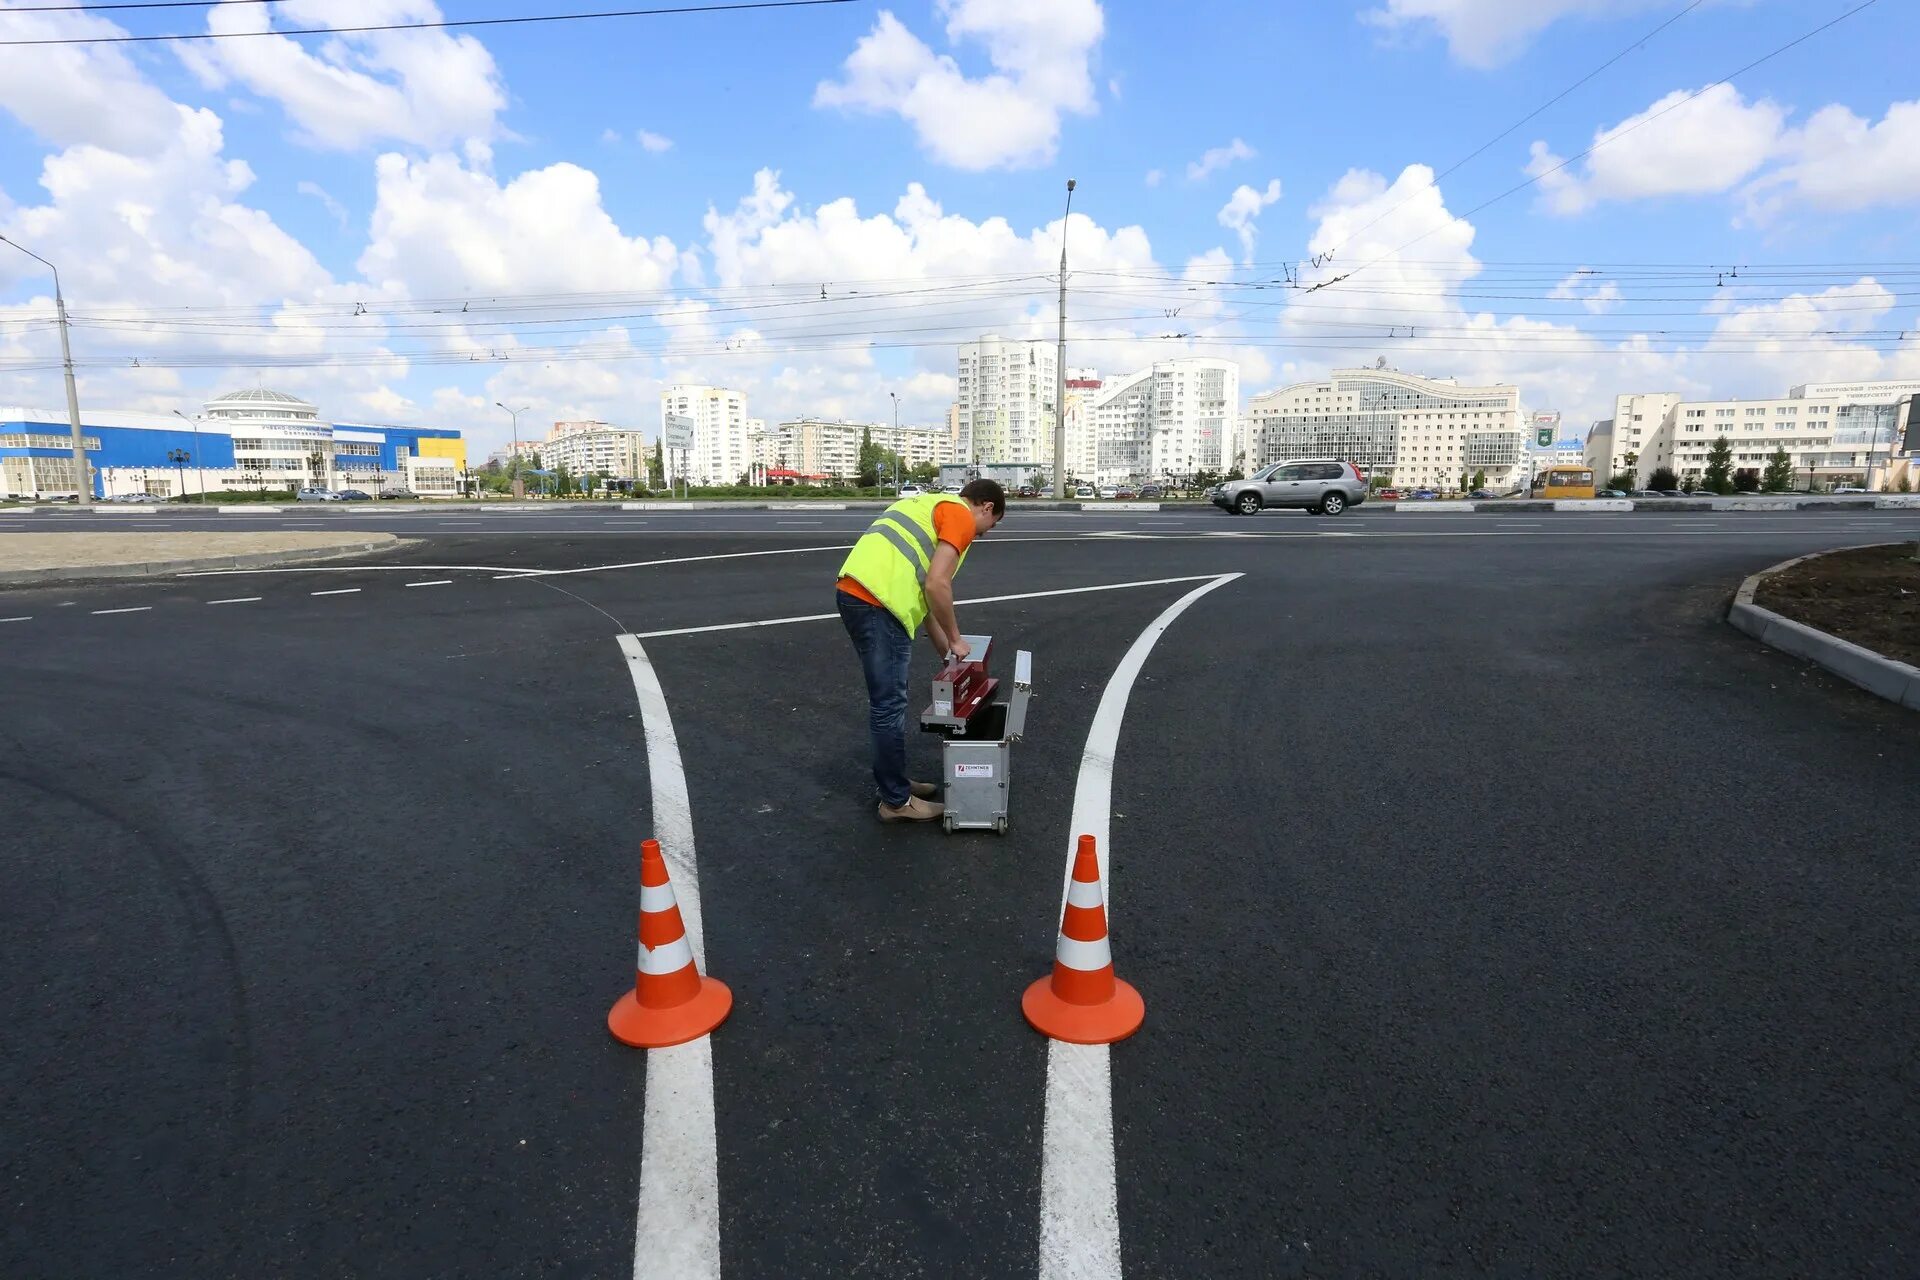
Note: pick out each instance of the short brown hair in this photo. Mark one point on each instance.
(988, 491)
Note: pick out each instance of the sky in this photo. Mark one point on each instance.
(816, 203)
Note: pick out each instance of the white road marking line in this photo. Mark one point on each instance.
(437, 582)
(1518, 524)
(23, 618)
(235, 600)
(363, 568)
(813, 522)
(1024, 595)
(1079, 1192)
(677, 1229)
(337, 591)
(143, 608)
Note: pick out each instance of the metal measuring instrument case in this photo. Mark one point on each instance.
(977, 752)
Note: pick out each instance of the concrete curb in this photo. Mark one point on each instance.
(1874, 672)
(196, 564)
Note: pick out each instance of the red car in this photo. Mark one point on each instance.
(1388, 495)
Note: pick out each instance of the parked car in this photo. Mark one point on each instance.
(317, 495)
(1108, 491)
(1151, 491)
(1324, 486)
(398, 493)
(354, 495)
(1084, 491)
(911, 490)
(1423, 495)
(1026, 491)
(1125, 491)
(1611, 493)
(1848, 488)
(1480, 493)
(1388, 495)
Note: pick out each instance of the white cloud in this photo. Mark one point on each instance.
(445, 228)
(1217, 158)
(1155, 177)
(428, 88)
(1242, 208)
(1708, 145)
(1485, 33)
(72, 94)
(1580, 287)
(333, 207)
(653, 142)
(1839, 161)
(1010, 118)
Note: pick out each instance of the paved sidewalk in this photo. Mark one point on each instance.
(27, 558)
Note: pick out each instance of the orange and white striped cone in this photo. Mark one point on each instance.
(670, 1002)
(1083, 1002)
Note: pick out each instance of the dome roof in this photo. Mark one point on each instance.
(260, 395)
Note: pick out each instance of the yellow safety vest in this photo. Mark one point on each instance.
(892, 557)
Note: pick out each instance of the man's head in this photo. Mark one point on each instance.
(989, 503)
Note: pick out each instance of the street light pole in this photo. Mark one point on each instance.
(519, 485)
(81, 480)
(1060, 366)
(199, 458)
(896, 440)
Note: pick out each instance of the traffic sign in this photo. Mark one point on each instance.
(679, 432)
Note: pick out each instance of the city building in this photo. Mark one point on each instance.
(1615, 445)
(831, 447)
(245, 440)
(1006, 407)
(1083, 386)
(1401, 427)
(1011, 476)
(1832, 433)
(595, 448)
(721, 452)
(1172, 419)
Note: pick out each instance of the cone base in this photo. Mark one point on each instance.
(633, 1023)
(1051, 1016)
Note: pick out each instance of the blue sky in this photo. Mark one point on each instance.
(222, 209)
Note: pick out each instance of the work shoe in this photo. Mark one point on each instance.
(914, 810)
(925, 790)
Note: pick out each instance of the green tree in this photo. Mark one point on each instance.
(657, 467)
(1905, 485)
(1622, 480)
(1480, 479)
(1747, 480)
(1663, 478)
(1720, 466)
(925, 473)
(1779, 474)
(1688, 484)
(562, 480)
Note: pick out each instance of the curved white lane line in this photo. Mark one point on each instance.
(677, 1228)
(1079, 1194)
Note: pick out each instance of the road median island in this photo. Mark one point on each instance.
(30, 559)
(1855, 612)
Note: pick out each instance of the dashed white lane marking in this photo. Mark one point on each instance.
(337, 591)
(677, 1229)
(23, 618)
(1024, 595)
(455, 524)
(437, 582)
(1079, 1192)
(236, 600)
(809, 522)
(141, 608)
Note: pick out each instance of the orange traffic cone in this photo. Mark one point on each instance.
(670, 1002)
(1083, 1002)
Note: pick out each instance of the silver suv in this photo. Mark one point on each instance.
(1324, 486)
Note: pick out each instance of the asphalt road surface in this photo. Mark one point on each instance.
(1499, 911)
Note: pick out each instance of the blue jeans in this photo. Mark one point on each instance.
(886, 654)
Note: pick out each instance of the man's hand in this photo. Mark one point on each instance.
(960, 648)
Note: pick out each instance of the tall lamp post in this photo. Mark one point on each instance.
(199, 458)
(896, 440)
(82, 482)
(519, 485)
(1060, 366)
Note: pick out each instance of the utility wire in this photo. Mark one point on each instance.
(432, 26)
(1615, 136)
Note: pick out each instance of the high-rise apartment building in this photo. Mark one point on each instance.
(1407, 428)
(1006, 409)
(830, 447)
(594, 448)
(721, 453)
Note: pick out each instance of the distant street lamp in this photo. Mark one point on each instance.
(198, 453)
(83, 483)
(519, 485)
(179, 458)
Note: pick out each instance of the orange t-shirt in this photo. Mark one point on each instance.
(952, 524)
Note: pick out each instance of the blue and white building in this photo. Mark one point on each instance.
(242, 441)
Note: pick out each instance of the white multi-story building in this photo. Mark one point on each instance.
(593, 448)
(721, 453)
(1406, 428)
(1617, 444)
(1173, 419)
(1006, 410)
(830, 447)
(1832, 433)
